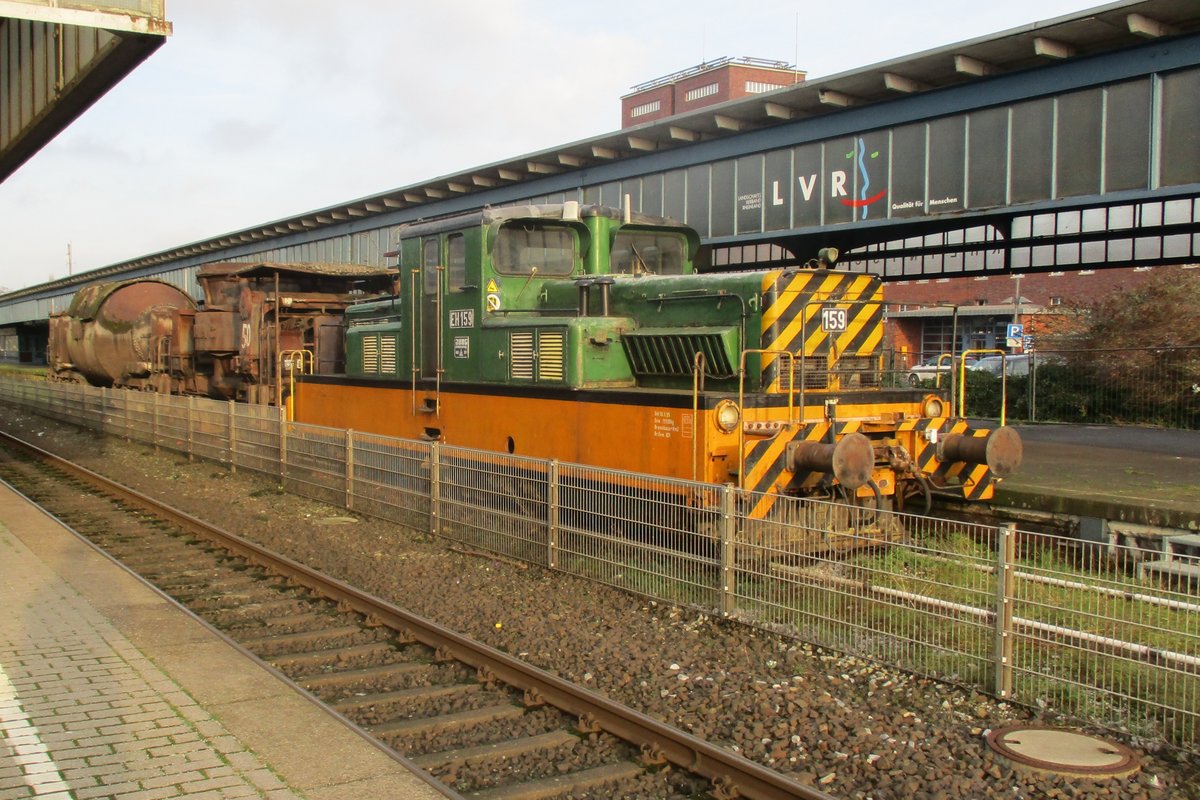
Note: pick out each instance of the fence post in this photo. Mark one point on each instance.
(232, 437)
(282, 445)
(435, 487)
(552, 515)
(349, 469)
(728, 526)
(1006, 553)
(154, 423)
(1033, 387)
(191, 409)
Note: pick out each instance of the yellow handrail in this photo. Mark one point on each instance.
(698, 367)
(962, 381)
(301, 361)
(742, 404)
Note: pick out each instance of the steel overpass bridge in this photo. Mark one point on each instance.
(1067, 144)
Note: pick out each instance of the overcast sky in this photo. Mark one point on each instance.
(255, 110)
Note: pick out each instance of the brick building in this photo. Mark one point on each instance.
(705, 84)
(921, 314)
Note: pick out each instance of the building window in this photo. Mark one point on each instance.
(703, 91)
(646, 108)
(1056, 301)
(754, 87)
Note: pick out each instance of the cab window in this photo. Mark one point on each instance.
(647, 252)
(523, 249)
(430, 258)
(456, 261)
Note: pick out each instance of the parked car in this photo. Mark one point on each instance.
(1013, 366)
(930, 368)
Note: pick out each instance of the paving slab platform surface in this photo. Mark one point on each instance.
(1145, 476)
(108, 689)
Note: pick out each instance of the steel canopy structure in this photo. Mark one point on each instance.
(58, 57)
(1023, 150)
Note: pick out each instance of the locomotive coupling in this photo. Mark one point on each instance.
(1001, 450)
(851, 460)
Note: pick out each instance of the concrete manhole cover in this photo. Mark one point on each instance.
(1063, 752)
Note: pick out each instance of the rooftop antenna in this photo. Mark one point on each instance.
(68, 258)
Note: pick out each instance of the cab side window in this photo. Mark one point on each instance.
(456, 261)
(430, 259)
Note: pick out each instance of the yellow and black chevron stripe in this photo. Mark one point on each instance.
(975, 479)
(764, 467)
(791, 318)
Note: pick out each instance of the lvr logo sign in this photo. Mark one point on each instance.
(838, 179)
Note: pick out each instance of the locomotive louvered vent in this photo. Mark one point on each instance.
(520, 348)
(551, 347)
(674, 352)
(370, 354)
(387, 354)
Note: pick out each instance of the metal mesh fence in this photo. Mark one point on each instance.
(880, 585)
(315, 463)
(392, 479)
(256, 438)
(492, 501)
(1133, 386)
(1099, 632)
(637, 532)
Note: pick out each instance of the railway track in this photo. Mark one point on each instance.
(479, 720)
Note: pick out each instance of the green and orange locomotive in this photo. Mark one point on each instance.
(584, 334)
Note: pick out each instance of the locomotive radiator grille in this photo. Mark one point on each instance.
(387, 355)
(540, 355)
(521, 356)
(551, 365)
(370, 354)
(858, 372)
(812, 374)
(654, 353)
(852, 372)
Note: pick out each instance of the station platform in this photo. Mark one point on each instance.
(1126, 475)
(108, 689)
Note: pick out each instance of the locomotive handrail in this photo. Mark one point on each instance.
(438, 302)
(937, 377)
(962, 381)
(742, 398)
(698, 370)
(415, 367)
(306, 359)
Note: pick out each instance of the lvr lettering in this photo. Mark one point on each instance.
(808, 185)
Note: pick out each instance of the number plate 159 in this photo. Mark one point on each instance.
(833, 320)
